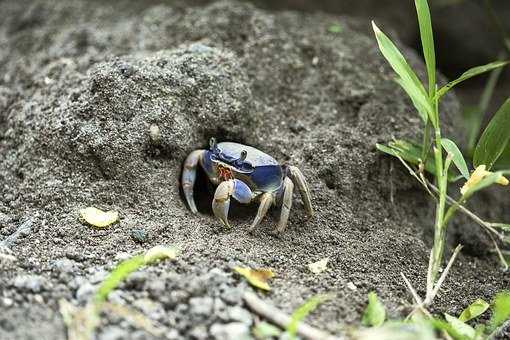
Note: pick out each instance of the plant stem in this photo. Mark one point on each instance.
(437, 250)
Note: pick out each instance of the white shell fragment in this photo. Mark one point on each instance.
(99, 218)
(160, 253)
(319, 266)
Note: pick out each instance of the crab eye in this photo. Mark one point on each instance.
(212, 143)
(243, 155)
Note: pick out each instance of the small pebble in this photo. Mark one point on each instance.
(201, 305)
(155, 134)
(114, 333)
(7, 302)
(230, 331)
(139, 235)
(351, 286)
(30, 283)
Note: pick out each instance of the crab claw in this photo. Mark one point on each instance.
(221, 201)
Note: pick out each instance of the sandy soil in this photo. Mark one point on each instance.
(81, 84)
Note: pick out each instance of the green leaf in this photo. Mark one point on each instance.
(427, 42)
(457, 158)
(406, 76)
(474, 310)
(335, 28)
(500, 310)
(302, 311)
(411, 152)
(494, 139)
(503, 161)
(375, 313)
(419, 102)
(448, 328)
(473, 115)
(460, 327)
(472, 119)
(469, 74)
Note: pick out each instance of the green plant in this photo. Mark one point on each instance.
(375, 313)
(302, 311)
(420, 326)
(443, 152)
(82, 322)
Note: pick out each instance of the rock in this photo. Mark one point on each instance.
(198, 332)
(7, 302)
(230, 331)
(113, 333)
(237, 313)
(231, 295)
(85, 291)
(98, 275)
(150, 308)
(139, 235)
(201, 305)
(156, 287)
(63, 265)
(30, 283)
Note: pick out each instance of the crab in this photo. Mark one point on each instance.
(248, 175)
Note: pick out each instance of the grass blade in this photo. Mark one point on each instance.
(117, 276)
(302, 311)
(457, 157)
(419, 102)
(407, 78)
(494, 139)
(427, 42)
(469, 74)
(473, 115)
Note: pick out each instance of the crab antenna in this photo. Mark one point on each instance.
(244, 153)
(212, 143)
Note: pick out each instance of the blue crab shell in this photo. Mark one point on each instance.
(258, 170)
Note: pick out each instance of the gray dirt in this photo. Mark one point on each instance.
(81, 84)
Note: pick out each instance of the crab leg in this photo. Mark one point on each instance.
(288, 188)
(221, 202)
(265, 202)
(297, 177)
(189, 174)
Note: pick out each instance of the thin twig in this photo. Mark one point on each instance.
(282, 320)
(498, 251)
(416, 297)
(443, 275)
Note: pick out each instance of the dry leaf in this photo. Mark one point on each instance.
(479, 174)
(159, 253)
(256, 277)
(319, 266)
(99, 218)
